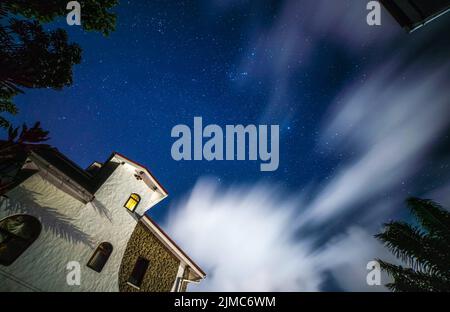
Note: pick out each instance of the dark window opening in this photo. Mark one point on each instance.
(100, 257)
(17, 233)
(139, 270)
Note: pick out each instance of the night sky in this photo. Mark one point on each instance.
(167, 62)
(292, 63)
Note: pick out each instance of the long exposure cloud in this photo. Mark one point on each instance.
(247, 236)
(253, 237)
(390, 124)
(246, 240)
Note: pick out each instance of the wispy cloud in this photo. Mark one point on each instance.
(389, 123)
(243, 238)
(297, 32)
(262, 237)
(247, 237)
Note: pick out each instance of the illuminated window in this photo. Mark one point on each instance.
(132, 202)
(100, 256)
(17, 233)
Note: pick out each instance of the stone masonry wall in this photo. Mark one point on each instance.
(163, 267)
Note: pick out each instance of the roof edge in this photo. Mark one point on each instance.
(142, 166)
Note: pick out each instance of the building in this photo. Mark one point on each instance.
(63, 228)
(413, 14)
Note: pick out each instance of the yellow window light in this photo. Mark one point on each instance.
(132, 202)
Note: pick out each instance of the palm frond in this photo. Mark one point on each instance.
(408, 280)
(425, 250)
(431, 215)
(417, 249)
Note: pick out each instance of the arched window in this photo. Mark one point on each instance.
(132, 202)
(100, 257)
(17, 233)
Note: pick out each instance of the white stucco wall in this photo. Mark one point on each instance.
(68, 226)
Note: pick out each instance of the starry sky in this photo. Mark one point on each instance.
(167, 62)
(342, 92)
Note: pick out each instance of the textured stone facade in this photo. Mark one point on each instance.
(161, 273)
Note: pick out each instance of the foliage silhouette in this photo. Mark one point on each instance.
(15, 149)
(31, 57)
(96, 14)
(425, 249)
(12, 153)
(52, 219)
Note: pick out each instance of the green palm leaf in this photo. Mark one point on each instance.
(425, 249)
(431, 216)
(408, 280)
(416, 248)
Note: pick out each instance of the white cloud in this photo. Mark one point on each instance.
(244, 238)
(346, 258)
(294, 38)
(389, 122)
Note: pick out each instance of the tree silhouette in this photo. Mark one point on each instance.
(14, 151)
(31, 57)
(425, 249)
(96, 14)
